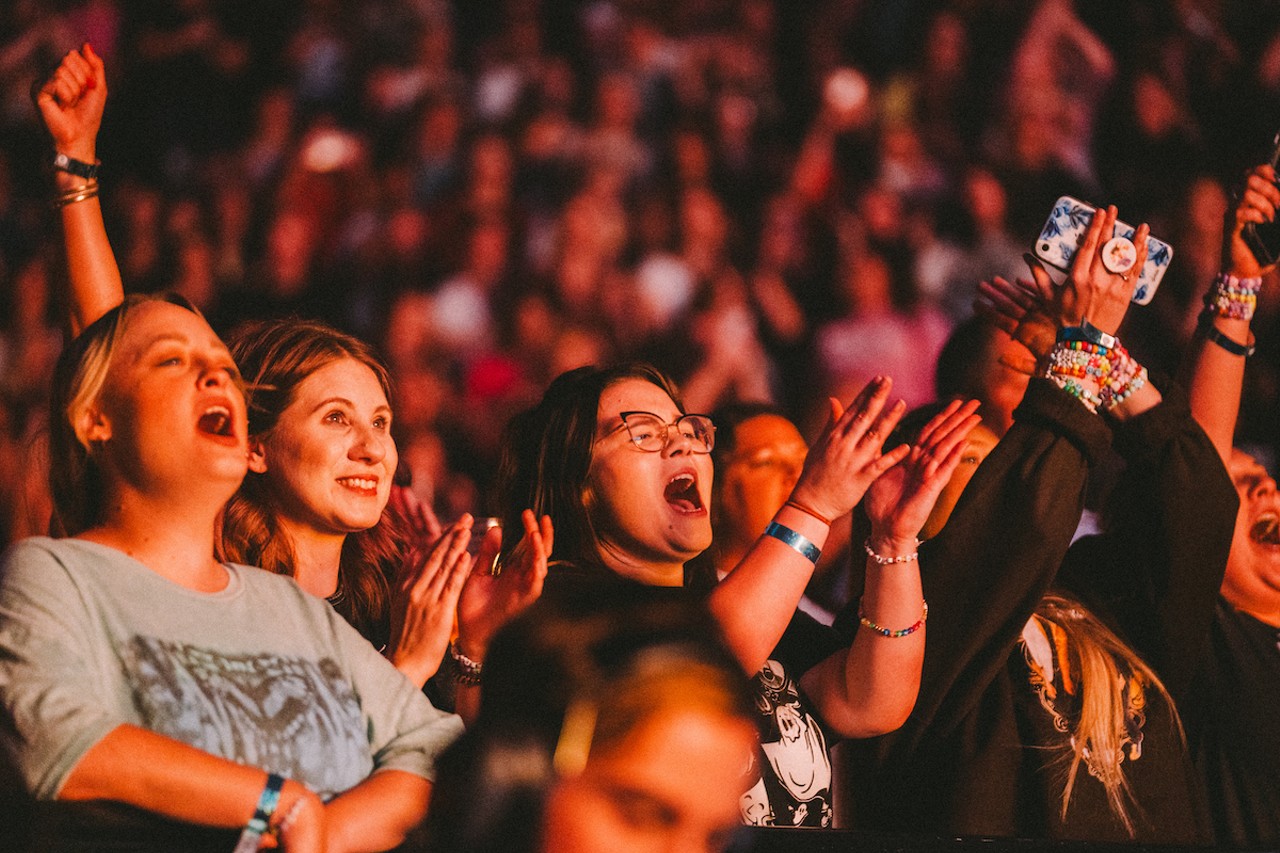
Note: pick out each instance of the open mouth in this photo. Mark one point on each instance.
(1266, 530)
(216, 420)
(682, 493)
(366, 485)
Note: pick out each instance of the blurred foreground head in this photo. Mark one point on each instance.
(608, 728)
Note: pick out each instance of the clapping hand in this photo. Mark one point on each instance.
(847, 457)
(493, 597)
(899, 501)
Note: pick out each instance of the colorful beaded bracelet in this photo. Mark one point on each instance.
(890, 632)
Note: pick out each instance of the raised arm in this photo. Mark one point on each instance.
(1213, 370)
(870, 687)
(756, 601)
(1006, 539)
(71, 102)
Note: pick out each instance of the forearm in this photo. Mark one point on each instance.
(1214, 378)
(1004, 543)
(377, 813)
(96, 286)
(754, 603)
(870, 688)
(153, 772)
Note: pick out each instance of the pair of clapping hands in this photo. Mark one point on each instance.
(442, 587)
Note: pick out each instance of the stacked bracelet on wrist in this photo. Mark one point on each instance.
(881, 560)
(465, 670)
(795, 541)
(81, 193)
(892, 632)
(1233, 298)
(1095, 374)
(261, 820)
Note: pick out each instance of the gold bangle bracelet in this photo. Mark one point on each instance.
(82, 194)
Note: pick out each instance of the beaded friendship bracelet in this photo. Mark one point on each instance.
(891, 632)
(795, 541)
(1233, 298)
(261, 820)
(1095, 374)
(881, 560)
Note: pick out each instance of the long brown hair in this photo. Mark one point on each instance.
(274, 357)
(547, 454)
(75, 479)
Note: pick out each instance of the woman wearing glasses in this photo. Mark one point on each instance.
(625, 475)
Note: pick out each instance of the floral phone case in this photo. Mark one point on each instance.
(1065, 228)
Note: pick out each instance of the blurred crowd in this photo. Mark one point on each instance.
(771, 201)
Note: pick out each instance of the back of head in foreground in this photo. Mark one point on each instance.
(585, 715)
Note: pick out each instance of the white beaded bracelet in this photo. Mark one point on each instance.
(889, 561)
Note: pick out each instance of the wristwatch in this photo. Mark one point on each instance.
(79, 168)
(1210, 332)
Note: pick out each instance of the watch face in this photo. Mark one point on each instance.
(88, 171)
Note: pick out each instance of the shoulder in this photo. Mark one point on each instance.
(277, 590)
(41, 555)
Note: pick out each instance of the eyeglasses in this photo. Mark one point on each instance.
(652, 434)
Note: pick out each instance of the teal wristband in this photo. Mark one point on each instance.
(800, 544)
(261, 820)
(1086, 331)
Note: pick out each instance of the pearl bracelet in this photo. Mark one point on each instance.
(881, 560)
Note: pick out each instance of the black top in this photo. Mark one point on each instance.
(981, 754)
(1232, 717)
(795, 770)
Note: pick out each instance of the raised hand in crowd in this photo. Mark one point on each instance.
(1214, 375)
(870, 687)
(757, 599)
(71, 103)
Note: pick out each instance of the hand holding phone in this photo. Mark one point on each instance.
(1263, 238)
(1065, 229)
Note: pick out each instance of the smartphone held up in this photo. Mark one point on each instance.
(1263, 238)
(1065, 229)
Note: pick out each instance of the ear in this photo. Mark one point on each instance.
(92, 426)
(257, 456)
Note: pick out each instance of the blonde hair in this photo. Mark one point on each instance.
(75, 478)
(1112, 683)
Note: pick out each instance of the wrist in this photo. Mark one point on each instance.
(888, 551)
(892, 545)
(807, 505)
(466, 669)
(472, 643)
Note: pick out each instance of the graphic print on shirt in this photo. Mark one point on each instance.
(297, 717)
(795, 773)
(1054, 678)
